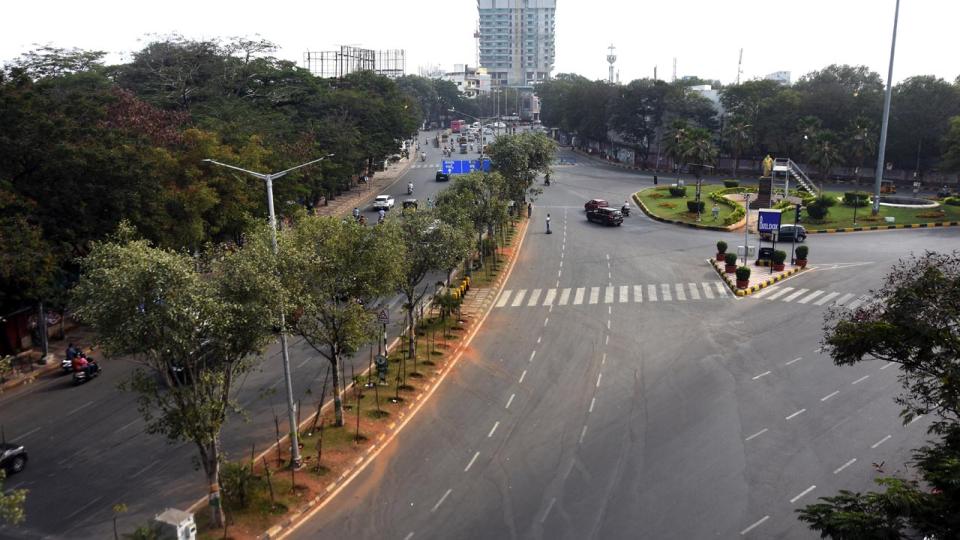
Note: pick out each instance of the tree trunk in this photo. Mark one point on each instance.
(736, 165)
(211, 466)
(337, 404)
(411, 343)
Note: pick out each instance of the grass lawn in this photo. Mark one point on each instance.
(841, 216)
(663, 205)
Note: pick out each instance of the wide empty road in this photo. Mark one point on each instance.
(616, 391)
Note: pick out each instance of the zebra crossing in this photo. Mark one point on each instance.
(816, 297)
(426, 165)
(613, 294)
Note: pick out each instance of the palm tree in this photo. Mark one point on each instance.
(860, 143)
(675, 141)
(739, 133)
(825, 152)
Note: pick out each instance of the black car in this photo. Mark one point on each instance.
(605, 215)
(442, 176)
(13, 457)
(787, 233)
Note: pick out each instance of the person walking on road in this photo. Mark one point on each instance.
(529, 209)
(548, 225)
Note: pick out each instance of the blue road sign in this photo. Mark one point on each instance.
(464, 166)
(769, 221)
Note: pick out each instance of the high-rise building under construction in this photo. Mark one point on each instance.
(517, 40)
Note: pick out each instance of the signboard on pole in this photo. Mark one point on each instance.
(465, 166)
(769, 221)
(383, 317)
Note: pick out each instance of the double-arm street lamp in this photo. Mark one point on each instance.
(295, 460)
(482, 135)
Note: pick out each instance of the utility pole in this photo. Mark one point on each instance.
(674, 69)
(886, 117)
(740, 66)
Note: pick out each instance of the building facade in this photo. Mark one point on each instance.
(517, 40)
(782, 77)
(471, 81)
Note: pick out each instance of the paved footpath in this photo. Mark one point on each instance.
(361, 194)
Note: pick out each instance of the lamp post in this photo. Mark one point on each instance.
(295, 460)
(886, 117)
(481, 131)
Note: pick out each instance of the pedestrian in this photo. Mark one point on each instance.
(548, 225)
(529, 209)
(654, 179)
(382, 215)
(715, 211)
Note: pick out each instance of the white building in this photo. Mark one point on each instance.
(517, 40)
(710, 93)
(471, 81)
(782, 77)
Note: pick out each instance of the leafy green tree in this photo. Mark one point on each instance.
(861, 143)
(477, 199)
(520, 159)
(825, 152)
(914, 324)
(738, 134)
(920, 112)
(334, 269)
(430, 245)
(638, 112)
(11, 503)
(951, 144)
(208, 319)
(838, 94)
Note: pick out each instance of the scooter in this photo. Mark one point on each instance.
(423, 157)
(625, 210)
(409, 189)
(80, 377)
(66, 365)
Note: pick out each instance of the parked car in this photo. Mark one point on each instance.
(385, 202)
(442, 176)
(605, 215)
(787, 233)
(593, 204)
(13, 457)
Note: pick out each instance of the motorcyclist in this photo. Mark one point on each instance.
(409, 188)
(546, 180)
(382, 214)
(72, 352)
(625, 208)
(80, 363)
(423, 156)
(356, 213)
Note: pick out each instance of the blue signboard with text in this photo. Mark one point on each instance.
(465, 166)
(769, 221)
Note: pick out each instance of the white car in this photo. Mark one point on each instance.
(385, 202)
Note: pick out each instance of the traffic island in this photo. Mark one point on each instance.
(671, 204)
(377, 404)
(760, 276)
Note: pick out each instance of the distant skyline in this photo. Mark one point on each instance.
(705, 36)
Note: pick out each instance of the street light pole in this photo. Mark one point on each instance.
(886, 117)
(295, 459)
(481, 132)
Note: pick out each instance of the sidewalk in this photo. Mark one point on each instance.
(29, 368)
(361, 194)
(760, 276)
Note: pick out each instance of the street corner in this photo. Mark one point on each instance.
(754, 283)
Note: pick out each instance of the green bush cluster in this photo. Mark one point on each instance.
(952, 201)
(779, 256)
(730, 259)
(678, 191)
(802, 251)
(696, 206)
(737, 214)
(783, 204)
(820, 207)
(731, 183)
(743, 273)
(856, 198)
(721, 247)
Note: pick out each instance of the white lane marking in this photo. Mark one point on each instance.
(474, 458)
(547, 512)
(796, 295)
(830, 395)
(578, 297)
(764, 374)
(539, 338)
(604, 359)
(608, 324)
(757, 434)
(665, 292)
(445, 495)
(607, 340)
(652, 293)
(519, 298)
(609, 310)
(143, 470)
(84, 406)
(779, 293)
(559, 273)
(881, 441)
(564, 297)
(844, 466)
(638, 293)
(561, 264)
(694, 292)
(408, 536)
(493, 429)
(301, 364)
(915, 418)
(522, 375)
(583, 433)
(794, 415)
(84, 507)
(545, 321)
(548, 299)
(802, 493)
(558, 283)
(795, 360)
(843, 299)
(721, 288)
(534, 298)
(763, 292)
(681, 295)
(532, 354)
(624, 294)
(608, 257)
(608, 295)
(888, 364)
(509, 401)
(858, 302)
(36, 429)
(504, 297)
(599, 376)
(861, 379)
(809, 297)
(827, 298)
(593, 401)
(594, 295)
(706, 290)
(755, 525)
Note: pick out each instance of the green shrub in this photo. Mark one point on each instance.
(778, 256)
(802, 251)
(678, 191)
(743, 273)
(721, 247)
(783, 204)
(695, 206)
(730, 259)
(737, 215)
(820, 207)
(952, 201)
(856, 198)
(731, 183)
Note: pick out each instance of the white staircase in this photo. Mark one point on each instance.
(791, 169)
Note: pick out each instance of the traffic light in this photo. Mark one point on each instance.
(796, 217)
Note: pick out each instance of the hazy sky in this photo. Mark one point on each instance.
(704, 35)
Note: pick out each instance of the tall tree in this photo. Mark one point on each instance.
(825, 152)
(913, 323)
(920, 112)
(520, 159)
(951, 146)
(738, 133)
(209, 318)
(334, 270)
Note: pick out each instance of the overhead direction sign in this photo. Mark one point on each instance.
(465, 166)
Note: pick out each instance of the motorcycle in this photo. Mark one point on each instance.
(93, 370)
(409, 189)
(625, 210)
(66, 365)
(423, 156)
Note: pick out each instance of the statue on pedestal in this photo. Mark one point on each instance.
(767, 166)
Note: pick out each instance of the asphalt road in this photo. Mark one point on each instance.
(617, 392)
